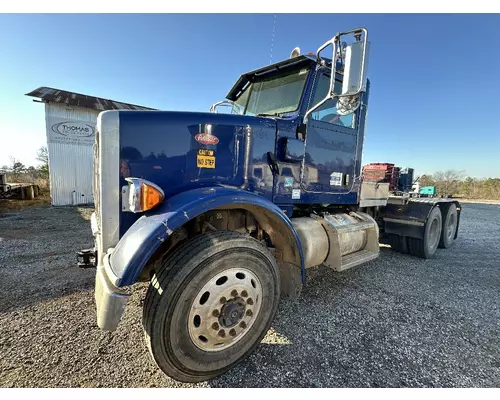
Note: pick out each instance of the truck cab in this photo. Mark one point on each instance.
(325, 166)
(223, 214)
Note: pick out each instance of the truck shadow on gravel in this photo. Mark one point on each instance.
(315, 340)
(38, 254)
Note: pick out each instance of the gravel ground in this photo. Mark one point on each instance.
(396, 322)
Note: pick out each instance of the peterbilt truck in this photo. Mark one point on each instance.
(223, 214)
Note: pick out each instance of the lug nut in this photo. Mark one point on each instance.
(249, 301)
(232, 332)
(216, 313)
(234, 293)
(249, 313)
(222, 333)
(244, 293)
(215, 326)
(222, 300)
(243, 325)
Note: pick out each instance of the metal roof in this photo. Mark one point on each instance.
(81, 100)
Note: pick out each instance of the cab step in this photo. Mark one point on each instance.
(354, 259)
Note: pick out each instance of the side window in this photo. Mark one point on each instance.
(328, 111)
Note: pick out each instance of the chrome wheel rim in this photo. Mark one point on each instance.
(450, 229)
(225, 309)
(434, 233)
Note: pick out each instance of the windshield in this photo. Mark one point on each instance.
(274, 95)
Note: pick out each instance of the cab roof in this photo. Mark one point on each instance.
(296, 62)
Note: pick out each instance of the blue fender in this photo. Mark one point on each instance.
(144, 237)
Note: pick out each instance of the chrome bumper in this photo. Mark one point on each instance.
(110, 300)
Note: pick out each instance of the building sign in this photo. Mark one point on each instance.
(66, 131)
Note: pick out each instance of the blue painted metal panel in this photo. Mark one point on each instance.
(161, 147)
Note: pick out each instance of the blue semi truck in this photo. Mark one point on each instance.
(224, 213)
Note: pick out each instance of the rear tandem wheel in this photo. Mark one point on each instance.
(450, 222)
(423, 248)
(426, 247)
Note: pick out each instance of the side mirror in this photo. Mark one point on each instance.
(290, 150)
(352, 60)
(355, 65)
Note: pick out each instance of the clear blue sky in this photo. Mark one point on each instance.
(433, 104)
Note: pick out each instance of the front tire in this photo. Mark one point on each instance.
(210, 305)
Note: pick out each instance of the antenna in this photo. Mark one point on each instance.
(272, 40)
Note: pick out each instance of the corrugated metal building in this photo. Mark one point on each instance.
(70, 120)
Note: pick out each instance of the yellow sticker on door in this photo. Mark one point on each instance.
(205, 158)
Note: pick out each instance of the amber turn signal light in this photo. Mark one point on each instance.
(151, 196)
(143, 195)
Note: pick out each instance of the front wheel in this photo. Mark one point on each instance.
(210, 304)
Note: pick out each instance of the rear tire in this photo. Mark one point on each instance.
(426, 247)
(210, 305)
(404, 244)
(449, 227)
(399, 243)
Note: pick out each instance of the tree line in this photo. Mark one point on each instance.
(454, 183)
(18, 172)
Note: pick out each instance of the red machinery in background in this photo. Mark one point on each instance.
(382, 172)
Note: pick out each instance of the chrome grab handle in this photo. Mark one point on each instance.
(220, 103)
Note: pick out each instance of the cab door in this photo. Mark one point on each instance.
(331, 146)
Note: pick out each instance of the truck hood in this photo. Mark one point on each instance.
(179, 150)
